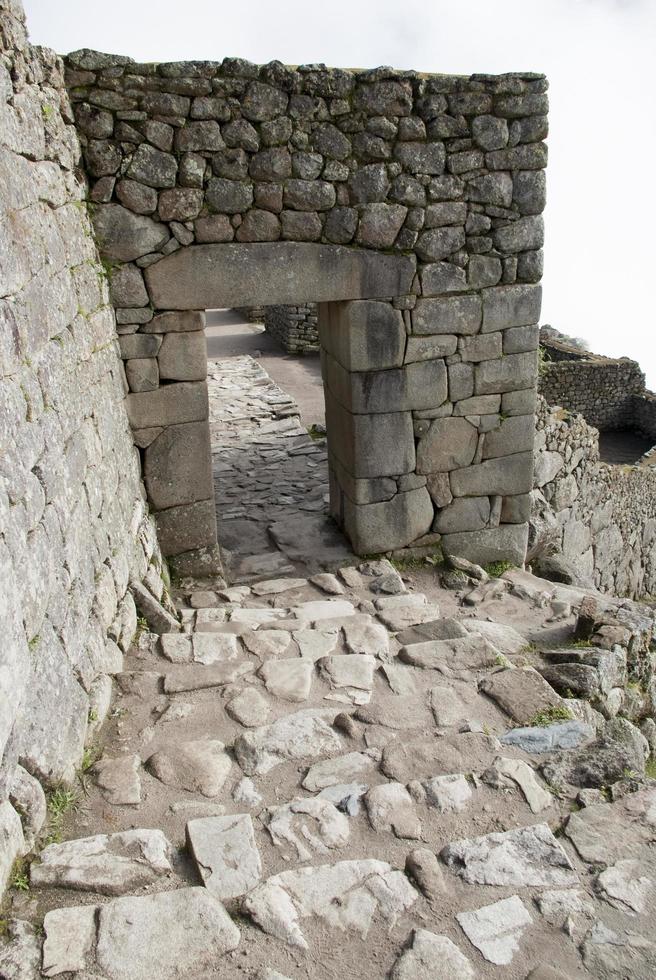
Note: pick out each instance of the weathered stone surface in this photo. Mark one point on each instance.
(372, 528)
(363, 335)
(623, 886)
(423, 758)
(200, 766)
(509, 475)
(449, 315)
(525, 857)
(118, 779)
(563, 735)
(521, 692)
(304, 826)
(511, 306)
(620, 748)
(365, 889)
(171, 934)
(301, 737)
(215, 276)
(431, 957)
(288, 679)
(124, 236)
(449, 444)
(448, 794)
(177, 468)
(505, 543)
(496, 929)
(152, 167)
(110, 865)
(226, 854)
(183, 357)
(12, 840)
(27, 797)
(390, 808)
(519, 772)
(69, 937)
(608, 953)
(342, 769)
(250, 708)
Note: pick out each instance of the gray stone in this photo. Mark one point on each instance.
(496, 929)
(505, 475)
(259, 226)
(620, 748)
(363, 335)
(439, 243)
(463, 652)
(203, 135)
(423, 867)
(177, 465)
(390, 808)
(449, 443)
(528, 856)
(303, 826)
(127, 287)
(262, 102)
(373, 528)
(118, 779)
(442, 277)
(379, 224)
(288, 679)
(107, 864)
(124, 236)
(343, 768)
(136, 197)
(423, 758)
(550, 738)
(180, 204)
(20, 958)
(509, 373)
(250, 708)
(448, 315)
(200, 766)
(493, 189)
(225, 853)
(152, 167)
(490, 132)
(215, 228)
(464, 514)
(521, 692)
(142, 374)
(27, 797)
(421, 158)
(183, 357)
(612, 954)
(309, 195)
(177, 933)
(300, 226)
(216, 276)
(340, 225)
(70, 934)
(229, 196)
(529, 191)
(11, 839)
(301, 737)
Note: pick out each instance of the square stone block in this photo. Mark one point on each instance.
(483, 347)
(519, 402)
(372, 528)
(510, 373)
(449, 443)
(186, 527)
(506, 475)
(464, 514)
(178, 321)
(431, 347)
(183, 356)
(517, 340)
(448, 314)
(363, 335)
(171, 404)
(370, 445)
(135, 345)
(514, 435)
(142, 373)
(417, 386)
(177, 466)
(361, 491)
(511, 306)
(507, 542)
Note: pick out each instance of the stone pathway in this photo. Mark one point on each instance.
(271, 476)
(356, 774)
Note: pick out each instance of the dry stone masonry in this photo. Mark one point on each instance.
(294, 328)
(74, 527)
(407, 206)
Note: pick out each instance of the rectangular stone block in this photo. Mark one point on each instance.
(178, 321)
(511, 306)
(178, 466)
(506, 476)
(186, 527)
(442, 277)
(174, 403)
(461, 381)
(510, 373)
(363, 335)
(516, 509)
(421, 385)
(274, 274)
(478, 405)
(428, 348)
(519, 402)
(183, 356)
(142, 374)
(517, 340)
(464, 514)
(362, 491)
(447, 314)
(514, 435)
(482, 347)
(370, 445)
(372, 528)
(135, 345)
(507, 542)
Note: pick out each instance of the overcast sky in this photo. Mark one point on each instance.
(599, 57)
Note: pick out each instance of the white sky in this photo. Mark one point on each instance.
(599, 57)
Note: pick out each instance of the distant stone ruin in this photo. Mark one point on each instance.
(406, 206)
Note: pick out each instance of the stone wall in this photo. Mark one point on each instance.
(232, 184)
(74, 529)
(598, 388)
(601, 517)
(294, 328)
(643, 413)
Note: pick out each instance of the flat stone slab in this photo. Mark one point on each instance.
(624, 886)
(496, 929)
(288, 679)
(118, 779)
(506, 639)
(267, 643)
(225, 853)
(528, 856)
(69, 937)
(402, 713)
(199, 766)
(391, 808)
(400, 612)
(329, 583)
(345, 796)
(432, 957)
(448, 794)
(348, 895)
(109, 864)
(170, 935)
(342, 769)
(549, 738)
(302, 737)
(609, 832)
(315, 644)
(366, 637)
(471, 653)
(312, 541)
(352, 675)
(304, 827)
(425, 757)
(199, 678)
(274, 586)
(521, 692)
(250, 708)
(214, 648)
(508, 771)
(319, 609)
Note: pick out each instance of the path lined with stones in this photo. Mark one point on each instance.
(342, 775)
(271, 477)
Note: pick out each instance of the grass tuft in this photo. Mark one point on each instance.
(550, 715)
(496, 568)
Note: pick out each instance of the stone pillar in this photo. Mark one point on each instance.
(376, 494)
(166, 370)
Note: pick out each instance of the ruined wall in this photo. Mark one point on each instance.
(643, 411)
(601, 517)
(599, 388)
(73, 524)
(294, 328)
(192, 163)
